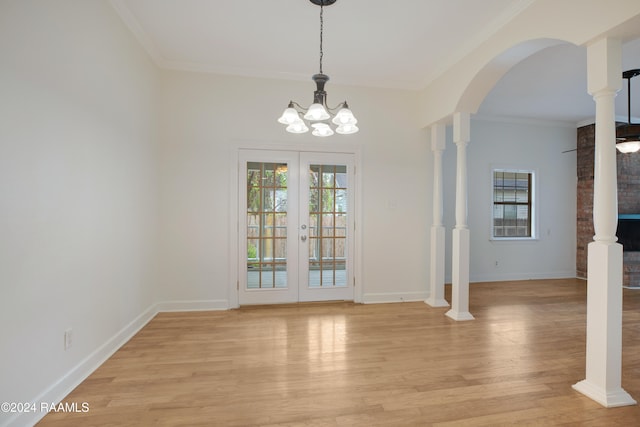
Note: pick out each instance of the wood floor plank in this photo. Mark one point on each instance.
(343, 364)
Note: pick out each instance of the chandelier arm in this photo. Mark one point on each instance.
(331, 111)
(300, 107)
(337, 107)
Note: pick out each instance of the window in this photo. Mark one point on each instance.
(513, 211)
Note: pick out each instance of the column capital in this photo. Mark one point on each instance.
(604, 93)
(604, 65)
(461, 143)
(461, 127)
(438, 136)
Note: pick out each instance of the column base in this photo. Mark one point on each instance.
(608, 399)
(436, 295)
(435, 302)
(603, 373)
(460, 276)
(459, 316)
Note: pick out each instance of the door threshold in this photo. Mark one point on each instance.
(297, 304)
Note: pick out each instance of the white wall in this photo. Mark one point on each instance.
(77, 190)
(537, 147)
(205, 118)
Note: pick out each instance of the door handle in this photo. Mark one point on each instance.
(303, 238)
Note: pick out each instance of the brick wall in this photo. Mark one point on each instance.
(584, 208)
(628, 201)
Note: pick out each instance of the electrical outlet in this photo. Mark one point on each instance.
(68, 339)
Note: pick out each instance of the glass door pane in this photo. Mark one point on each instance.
(268, 187)
(328, 222)
(327, 245)
(266, 225)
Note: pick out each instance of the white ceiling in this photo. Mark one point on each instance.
(392, 44)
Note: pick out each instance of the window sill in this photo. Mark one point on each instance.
(514, 239)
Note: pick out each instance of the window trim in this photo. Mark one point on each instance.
(532, 196)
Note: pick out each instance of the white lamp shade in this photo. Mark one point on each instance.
(289, 116)
(297, 127)
(317, 112)
(628, 146)
(321, 129)
(347, 129)
(344, 116)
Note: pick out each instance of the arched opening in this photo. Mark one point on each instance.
(485, 80)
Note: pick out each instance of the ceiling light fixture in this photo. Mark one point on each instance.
(628, 136)
(319, 113)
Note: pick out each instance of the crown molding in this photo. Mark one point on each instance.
(619, 119)
(134, 26)
(525, 120)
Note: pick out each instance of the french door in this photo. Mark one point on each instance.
(296, 226)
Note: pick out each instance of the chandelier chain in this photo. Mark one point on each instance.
(319, 115)
(321, 30)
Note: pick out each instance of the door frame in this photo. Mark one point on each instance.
(234, 221)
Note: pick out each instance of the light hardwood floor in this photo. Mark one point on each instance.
(342, 364)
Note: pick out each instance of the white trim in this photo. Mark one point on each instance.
(358, 292)
(199, 67)
(334, 146)
(132, 22)
(459, 316)
(60, 389)
(534, 204)
(57, 391)
(563, 274)
(526, 121)
(608, 399)
(513, 239)
(620, 119)
(389, 297)
(194, 305)
(233, 229)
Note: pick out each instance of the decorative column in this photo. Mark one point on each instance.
(460, 244)
(436, 285)
(604, 255)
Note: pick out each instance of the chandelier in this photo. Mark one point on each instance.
(628, 136)
(319, 114)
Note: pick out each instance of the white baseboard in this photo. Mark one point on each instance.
(61, 388)
(386, 297)
(56, 392)
(501, 277)
(206, 305)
